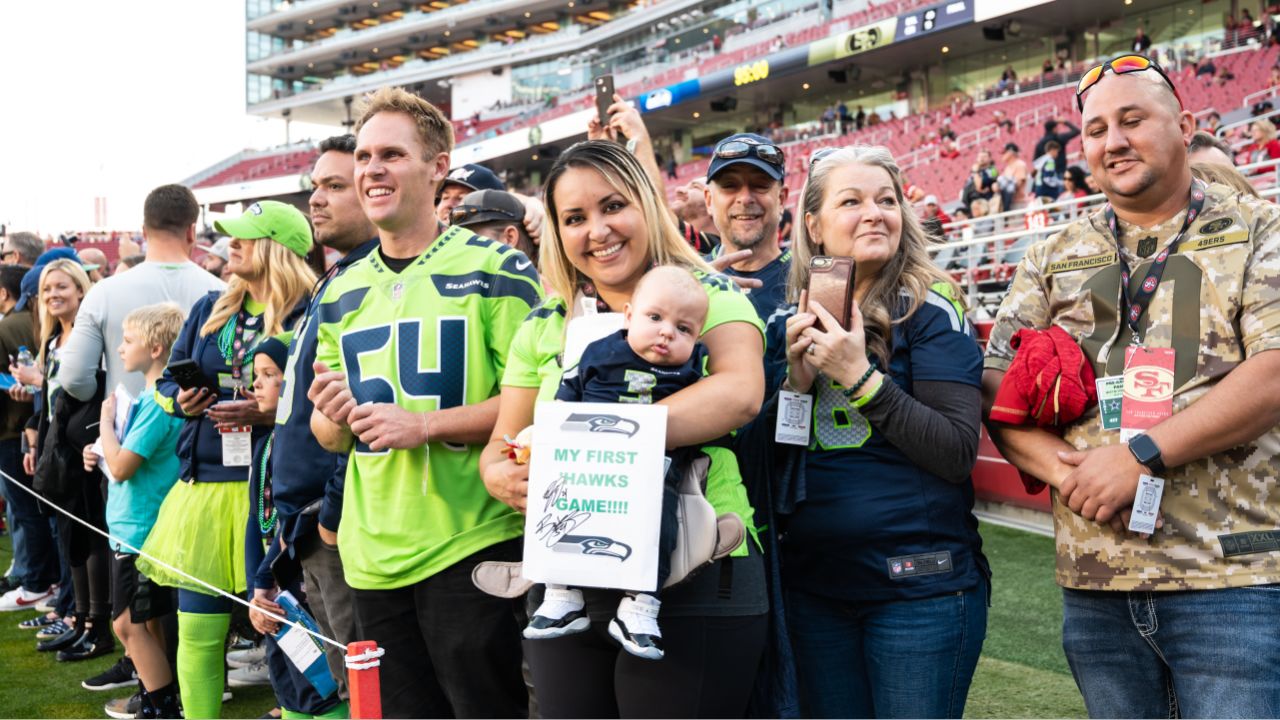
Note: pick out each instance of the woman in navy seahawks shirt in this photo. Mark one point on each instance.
(885, 582)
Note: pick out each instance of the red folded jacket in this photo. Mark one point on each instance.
(1049, 382)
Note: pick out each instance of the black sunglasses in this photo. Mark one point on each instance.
(734, 149)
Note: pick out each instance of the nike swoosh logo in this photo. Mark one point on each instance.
(24, 603)
(523, 265)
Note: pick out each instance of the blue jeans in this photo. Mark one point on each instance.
(904, 658)
(1195, 653)
(35, 556)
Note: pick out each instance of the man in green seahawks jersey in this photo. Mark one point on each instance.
(412, 343)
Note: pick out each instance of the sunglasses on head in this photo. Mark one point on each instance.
(462, 212)
(1120, 66)
(820, 155)
(735, 149)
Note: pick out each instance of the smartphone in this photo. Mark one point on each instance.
(604, 97)
(831, 286)
(189, 376)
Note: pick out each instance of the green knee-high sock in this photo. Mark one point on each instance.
(200, 643)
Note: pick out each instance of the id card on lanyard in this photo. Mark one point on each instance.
(1146, 388)
(237, 442)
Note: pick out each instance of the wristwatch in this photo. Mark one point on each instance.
(1146, 452)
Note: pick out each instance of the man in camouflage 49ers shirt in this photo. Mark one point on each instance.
(1186, 621)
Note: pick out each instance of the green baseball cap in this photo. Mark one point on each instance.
(273, 220)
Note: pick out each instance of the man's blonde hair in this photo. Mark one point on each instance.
(157, 324)
(434, 129)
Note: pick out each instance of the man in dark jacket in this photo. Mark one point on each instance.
(1051, 134)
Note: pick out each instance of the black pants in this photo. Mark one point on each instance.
(451, 650)
(85, 551)
(707, 672)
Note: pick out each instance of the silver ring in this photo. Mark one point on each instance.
(812, 349)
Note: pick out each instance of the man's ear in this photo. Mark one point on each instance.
(511, 236)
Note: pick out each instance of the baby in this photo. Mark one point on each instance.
(656, 354)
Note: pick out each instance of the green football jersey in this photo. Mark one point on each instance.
(434, 336)
(535, 363)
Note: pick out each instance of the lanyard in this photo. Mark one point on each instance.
(1136, 304)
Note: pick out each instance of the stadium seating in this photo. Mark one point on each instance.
(261, 167)
(946, 177)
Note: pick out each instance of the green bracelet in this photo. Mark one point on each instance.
(849, 392)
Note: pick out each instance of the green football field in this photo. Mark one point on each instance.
(1022, 674)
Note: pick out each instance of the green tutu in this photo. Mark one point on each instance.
(200, 530)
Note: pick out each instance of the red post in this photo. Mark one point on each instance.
(363, 679)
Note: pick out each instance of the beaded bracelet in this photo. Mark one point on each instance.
(849, 392)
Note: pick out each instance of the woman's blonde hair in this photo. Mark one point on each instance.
(1224, 175)
(910, 272)
(1267, 127)
(289, 279)
(625, 175)
(45, 325)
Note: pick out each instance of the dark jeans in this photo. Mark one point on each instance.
(451, 650)
(707, 671)
(1195, 653)
(332, 603)
(896, 659)
(35, 554)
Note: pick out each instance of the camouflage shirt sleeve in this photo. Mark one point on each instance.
(1260, 309)
(1026, 305)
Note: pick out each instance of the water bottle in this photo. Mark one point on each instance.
(26, 359)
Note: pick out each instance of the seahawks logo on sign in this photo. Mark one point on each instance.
(593, 545)
(588, 422)
(1216, 226)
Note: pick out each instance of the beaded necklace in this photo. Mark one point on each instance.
(234, 339)
(266, 509)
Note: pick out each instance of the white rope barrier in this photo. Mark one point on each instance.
(167, 566)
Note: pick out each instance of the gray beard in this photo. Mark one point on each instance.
(748, 243)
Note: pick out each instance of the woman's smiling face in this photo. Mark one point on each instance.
(604, 233)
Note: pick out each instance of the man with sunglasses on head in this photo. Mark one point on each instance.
(1173, 293)
(745, 194)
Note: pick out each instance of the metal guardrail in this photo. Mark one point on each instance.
(984, 260)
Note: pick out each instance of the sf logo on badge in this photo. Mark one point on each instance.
(1152, 383)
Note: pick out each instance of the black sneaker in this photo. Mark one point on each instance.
(7, 583)
(124, 707)
(122, 674)
(95, 642)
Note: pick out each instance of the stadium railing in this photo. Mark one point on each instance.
(987, 254)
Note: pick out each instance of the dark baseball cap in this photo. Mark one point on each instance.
(485, 206)
(473, 177)
(748, 149)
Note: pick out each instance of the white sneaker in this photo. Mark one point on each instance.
(561, 613)
(636, 626)
(245, 658)
(255, 674)
(20, 599)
